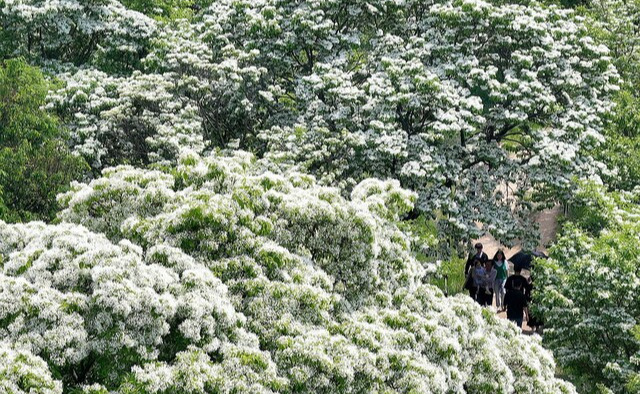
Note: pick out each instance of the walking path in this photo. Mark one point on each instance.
(548, 224)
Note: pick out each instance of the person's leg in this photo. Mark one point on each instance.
(517, 322)
(500, 293)
(473, 293)
(487, 296)
(481, 296)
(496, 291)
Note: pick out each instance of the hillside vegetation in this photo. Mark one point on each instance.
(256, 196)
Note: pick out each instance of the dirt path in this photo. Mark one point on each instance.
(525, 328)
(548, 224)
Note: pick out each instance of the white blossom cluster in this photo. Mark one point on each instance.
(137, 117)
(21, 372)
(222, 207)
(328, 285)
(96, 309)
(103, 32)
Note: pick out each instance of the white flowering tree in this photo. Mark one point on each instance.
(588, 292)
(137, 119)
(480, 108)
(220, 276)
(483, 109)
(101, 32)
(98, 312)
(22, 372)
(478, 102)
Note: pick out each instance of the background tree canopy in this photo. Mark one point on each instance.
(488, 111)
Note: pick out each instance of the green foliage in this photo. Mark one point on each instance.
(22, 92)
(426, 242)
(453, 270)
(589, 292)
(592, 210)
(622, 155)
(425, 234)
(3, 208)
(166, 10)
(615, 23)
(627, 122)
(621, 150)
(35, 163)
(633, 386)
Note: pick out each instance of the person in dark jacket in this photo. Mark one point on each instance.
(517, 278)
(517, 305)
(474, 279)
(479, 254)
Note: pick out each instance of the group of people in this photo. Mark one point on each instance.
(488, 278)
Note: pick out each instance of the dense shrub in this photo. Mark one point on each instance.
(328, 286)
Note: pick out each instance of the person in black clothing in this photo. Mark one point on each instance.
(517, 278)
(471, 282)
(479, 254)
(517, 304)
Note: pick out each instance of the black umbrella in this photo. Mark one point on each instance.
(523, 259)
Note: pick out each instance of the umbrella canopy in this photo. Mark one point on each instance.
(523, 259)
